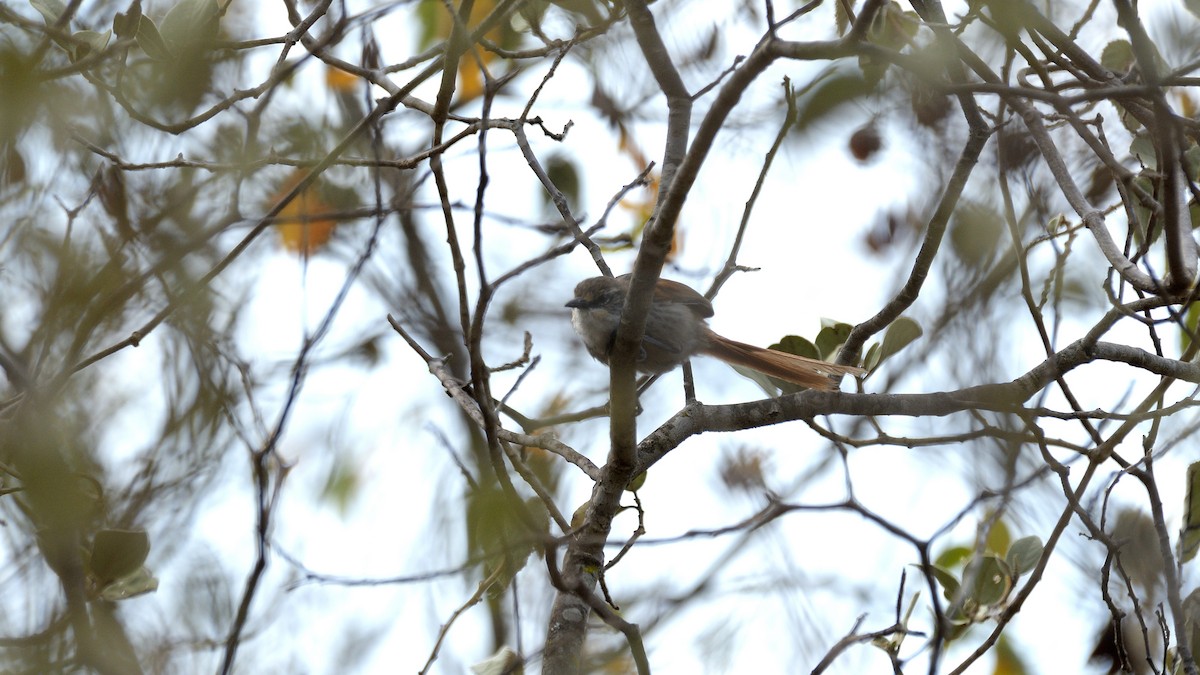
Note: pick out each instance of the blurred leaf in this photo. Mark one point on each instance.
(892, 27)
(191, 24)
(1189, 538)
(1009, 16)
(590, 10)
(340, 81)
(304, 224)
(1191, 321)
(142, 581)
(565, 176)
(991, 580)
(1118, 57)
(975, 233)
(953, 556)
(503, 662)
(901, 333)
(1008, 661)
(1099, 184)
(92, 42)
(829, 91)
(1191, 160)
(580, 513)
(342, 484)
(1015, 150)
(1137, 538)
(872, 358)
(109, 185)
(946, 580)
(929, 106)
(436, 25)
(637, 482)
(49, 9)
(151, 41)
(127, 23)
(744, 470)
(1143, 148)
(1143, 210)
(770, 386)
(117, 553)
(496, 534)
(833, 334)
(1024, 554)
(1187, 105)
(998, 539)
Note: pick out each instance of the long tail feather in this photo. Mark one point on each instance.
(799, 370)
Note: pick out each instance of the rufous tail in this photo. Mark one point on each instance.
(799, 370)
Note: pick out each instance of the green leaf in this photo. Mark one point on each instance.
(91, 42)
(342, 484)
(892, 27)
(118, 553)
(829, 91)
(975, 233)
(429, 18)
(1143, 213)
(1024, 554)
(991, 580)
(142, 581)
(580, 513)
(794, 344)
(1189, 538)
(565, 176)
(872, 358)
(903, 332)
(191, 23)
(49, 9)
(998, 538)
(1143, 148)
(946, 580)
(151, 41)
(953, 556)
(1118, 56)
(1191, 321)
(1191, 160)
(833, 335)
(125, 24)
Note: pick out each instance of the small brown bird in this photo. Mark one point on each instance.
(676, 330)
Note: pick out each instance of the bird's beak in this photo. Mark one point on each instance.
(576, 303)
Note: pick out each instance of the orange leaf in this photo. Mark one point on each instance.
(340, 81)
(304, 225)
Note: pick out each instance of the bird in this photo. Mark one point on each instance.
(677, 329)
